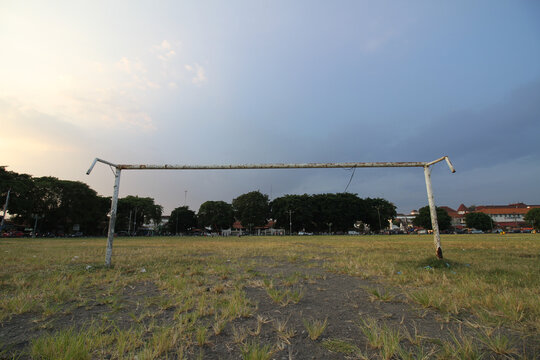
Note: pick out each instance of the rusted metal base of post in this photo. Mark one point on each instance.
(439, 253)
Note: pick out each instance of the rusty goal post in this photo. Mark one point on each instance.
(426, 165)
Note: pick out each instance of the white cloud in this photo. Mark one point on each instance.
(173, 86)
(165, 44)
(165, 51)
(199, 72)
(131, 66)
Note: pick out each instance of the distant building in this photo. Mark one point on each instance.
(507, 216)
(503, 216)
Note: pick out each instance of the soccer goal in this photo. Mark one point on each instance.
(426, 165)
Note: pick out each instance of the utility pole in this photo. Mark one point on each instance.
(129, 223)
(135, 222)
(290, 221)
(378, 207)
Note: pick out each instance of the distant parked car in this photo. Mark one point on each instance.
(15, 233)
(474, 231)
(304, 233)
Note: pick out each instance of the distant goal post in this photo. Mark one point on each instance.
(426, 165)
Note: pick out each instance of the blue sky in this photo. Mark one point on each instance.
(276, 81)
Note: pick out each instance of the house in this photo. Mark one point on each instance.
(503, 216)
(507, 216)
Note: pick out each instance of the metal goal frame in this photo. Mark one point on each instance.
(426, 165)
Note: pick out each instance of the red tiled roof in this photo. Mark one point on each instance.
(237, 225)
(502, 210)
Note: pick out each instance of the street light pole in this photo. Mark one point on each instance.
(378, 207)
(290, 221)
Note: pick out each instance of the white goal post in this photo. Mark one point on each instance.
(425, 165)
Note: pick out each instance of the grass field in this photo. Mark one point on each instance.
(379, 297)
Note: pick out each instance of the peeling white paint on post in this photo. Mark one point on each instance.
(114, 207)
(433, 213)
(119, 168)
(112, 221)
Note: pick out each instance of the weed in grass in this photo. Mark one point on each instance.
(497, 342)
(163, 341)
(256, 351)
(219, 288)
(284, 333)
(276, 295)
(296, 295)
(239, 334)
(238, 305)
(384, 338)
(423, 297)
(461, 347)
(261, 320)
(415, 338)
(292, 279)
(201, 335)
(381, 295)
(371, 331)
(285, 296)
(416, 353)
(66, 344)
(51, 308)
(315, 327)
(340, 346)
(390, 339)
(219, 325)
(127, 341)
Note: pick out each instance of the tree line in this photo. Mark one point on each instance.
(311, 213)
(63, 207)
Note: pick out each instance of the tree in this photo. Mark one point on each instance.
(532, 217)
(478, 221)
(340, 210)
(62, 206)
(134, 211)
(20, 187)
(182, 220)
(215, 214)
(423, 219)
(252, 209)
(294, 211)
(379, 211)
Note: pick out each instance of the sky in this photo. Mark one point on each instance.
(234, 82)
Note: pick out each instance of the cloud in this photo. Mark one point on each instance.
(165, 51)
(496, 134)
(199, 73)
(165, 45)
(130, 66)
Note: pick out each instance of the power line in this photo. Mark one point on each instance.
(349, 183)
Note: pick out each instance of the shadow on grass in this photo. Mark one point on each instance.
(434, 263)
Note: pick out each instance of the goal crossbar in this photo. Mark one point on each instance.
(425, 165)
